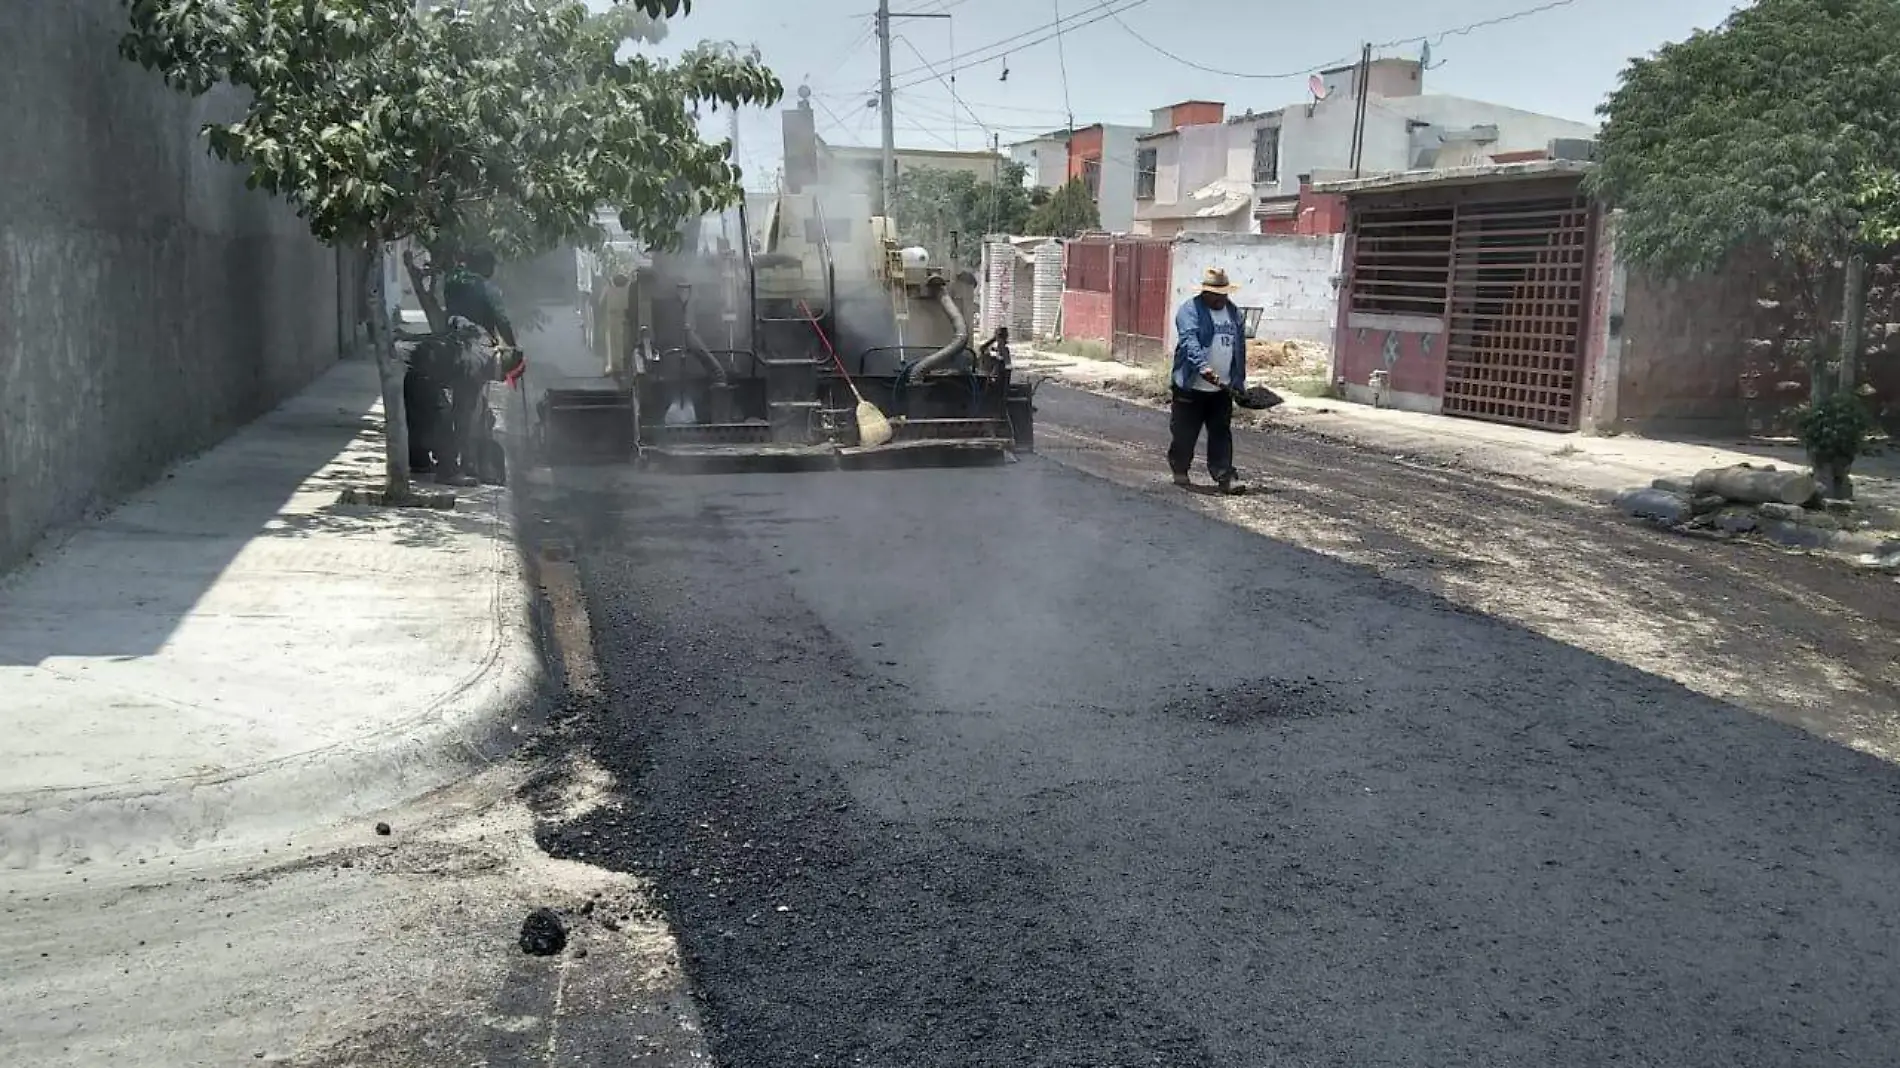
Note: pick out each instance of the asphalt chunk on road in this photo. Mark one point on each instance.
(1023, 767)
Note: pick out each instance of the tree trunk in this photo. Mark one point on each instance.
(1853, 318)
(1833, 480)
(425, 291)
(1754, 485)
(390, 372)
(1808, 281)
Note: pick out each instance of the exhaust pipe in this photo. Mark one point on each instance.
(958, 342)
(693, 344)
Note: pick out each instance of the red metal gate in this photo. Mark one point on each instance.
(1520, 275)
(1141, 279)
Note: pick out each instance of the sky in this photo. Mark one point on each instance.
(1111, 61)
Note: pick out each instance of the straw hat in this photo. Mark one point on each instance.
(1214, 280)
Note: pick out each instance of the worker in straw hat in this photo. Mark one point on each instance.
(1210, 363)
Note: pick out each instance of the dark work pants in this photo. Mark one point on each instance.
(1190, 412)
(422, 404)
(458, 456)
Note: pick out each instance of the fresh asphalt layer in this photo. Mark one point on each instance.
(1018, 766)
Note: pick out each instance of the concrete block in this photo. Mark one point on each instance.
(1886, 559)
(1653, 504)
(1681, 487)
(1795, 535)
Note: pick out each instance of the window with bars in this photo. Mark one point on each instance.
(1401, 261)
(1146, 166)
(1092, 176)
(1266, 154)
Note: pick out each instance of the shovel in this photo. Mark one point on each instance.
(873, 428)
(1256, 398)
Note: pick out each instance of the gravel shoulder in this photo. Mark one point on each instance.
(1807, 639)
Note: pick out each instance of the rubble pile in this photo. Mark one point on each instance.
(1784, 506)
(1291, 358)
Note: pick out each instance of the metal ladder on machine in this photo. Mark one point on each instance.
(791, 382)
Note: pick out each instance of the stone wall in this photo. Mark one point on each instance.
(1728, 354)
(1683, 344)
(1292, 279)
(149, 304)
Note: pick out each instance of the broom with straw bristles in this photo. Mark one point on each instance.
(873, 428)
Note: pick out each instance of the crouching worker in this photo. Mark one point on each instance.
(1210, 365)
(486, 350)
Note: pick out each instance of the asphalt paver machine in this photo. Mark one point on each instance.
(752, 354)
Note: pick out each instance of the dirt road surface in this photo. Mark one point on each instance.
(1053, 764)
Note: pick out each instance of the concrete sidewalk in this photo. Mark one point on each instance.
(232, 655)
(1599, 467)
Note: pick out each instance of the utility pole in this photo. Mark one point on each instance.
(1360, 89)
(888, 169)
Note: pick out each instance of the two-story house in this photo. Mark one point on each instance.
(1247, 173)
(1045, 159)
(1100, 155)
(1181, 173)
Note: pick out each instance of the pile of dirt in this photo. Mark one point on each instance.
(1292, 358)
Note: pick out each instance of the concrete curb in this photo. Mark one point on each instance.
(478, 721)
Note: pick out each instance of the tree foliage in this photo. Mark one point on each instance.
(1069, 211)
(1761, 134)
(378, 122)
(512, 120)
(930, 203)
(628, 24)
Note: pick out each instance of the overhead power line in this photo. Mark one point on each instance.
(1016, 42)
(1432, 38)
(1495, 20)
(947, 84)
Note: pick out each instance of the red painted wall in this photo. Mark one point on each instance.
(1316, 215)
(1084, 144)
(1321, 213)
(1086, 316)
(1418, 368)
(1196, 113)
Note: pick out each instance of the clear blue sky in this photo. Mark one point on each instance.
(1561, 60)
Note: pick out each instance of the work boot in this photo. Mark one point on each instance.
(1232, 485)
(1183, 481)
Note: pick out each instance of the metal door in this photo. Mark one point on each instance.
(1142, 272)
(1520, 276)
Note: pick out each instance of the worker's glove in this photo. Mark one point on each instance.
(514, 363)
(1212, 378)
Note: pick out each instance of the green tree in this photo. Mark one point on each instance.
(931, 204)
(514, 119)
(1069, 211)
(629, 24)
(1777, 133)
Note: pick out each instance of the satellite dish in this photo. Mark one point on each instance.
(1317, 86)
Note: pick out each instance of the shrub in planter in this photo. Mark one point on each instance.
(1834, 432)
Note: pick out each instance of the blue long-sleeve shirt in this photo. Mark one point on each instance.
(1193, 333)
